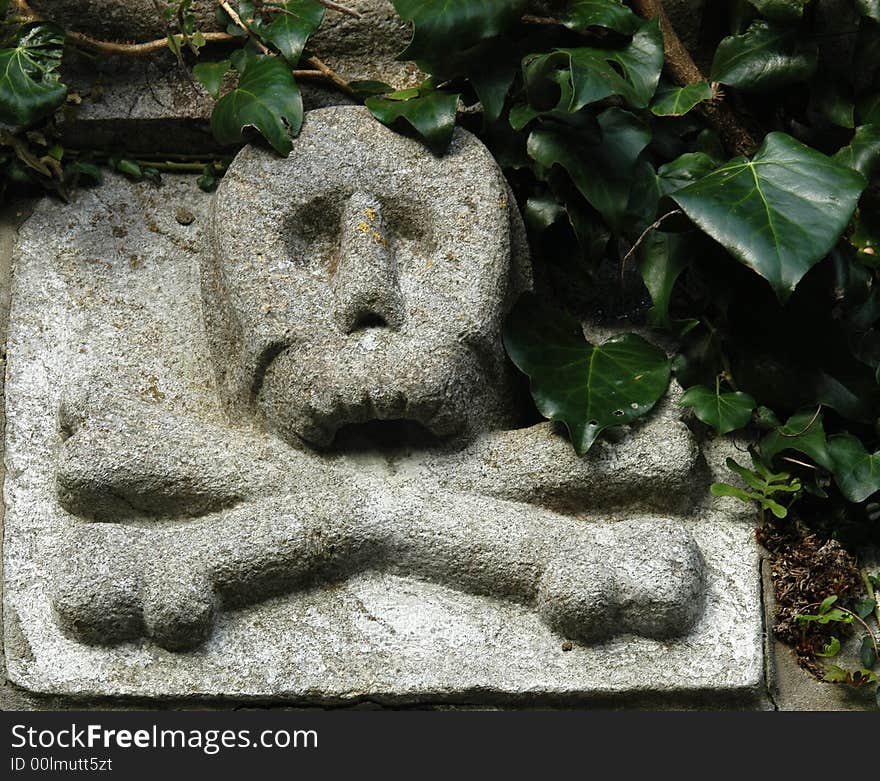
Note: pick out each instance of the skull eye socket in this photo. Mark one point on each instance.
(314, 231)
(311, 235)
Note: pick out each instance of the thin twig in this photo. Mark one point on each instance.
(799, 463)
(545, 20)
(681, 66)
(808, 426)
(135, 49)
(340, 9)
(652, 227)
(236, 20)
(204, 158)
(330, 75)
(170, 165)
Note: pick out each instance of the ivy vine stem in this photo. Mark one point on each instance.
(341, 9)
(318, 66)
(681, 66)
(319, 70)
(238, 22)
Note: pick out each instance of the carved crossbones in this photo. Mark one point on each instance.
(338, 297)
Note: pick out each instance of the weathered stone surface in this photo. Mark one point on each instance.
(136, 105)
(142, 103)
(378, 31)
(176, 528)
(128, 20)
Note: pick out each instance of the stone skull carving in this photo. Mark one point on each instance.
(364, 280)
(349, 285)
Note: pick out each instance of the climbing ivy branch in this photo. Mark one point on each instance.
(317, 70)
(32, 90)
(734, 133)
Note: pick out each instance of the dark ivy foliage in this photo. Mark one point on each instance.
(762, 269)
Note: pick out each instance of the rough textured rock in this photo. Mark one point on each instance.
(148, 515)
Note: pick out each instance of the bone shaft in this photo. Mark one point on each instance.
(479, 545)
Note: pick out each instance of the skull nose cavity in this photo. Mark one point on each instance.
(368, 319)
(365, 282)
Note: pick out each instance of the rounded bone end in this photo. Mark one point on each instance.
(645, 578)
(96, 591)
(662, 583)
(179, 613)
(577, 599)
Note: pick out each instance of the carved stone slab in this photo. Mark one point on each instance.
(265, 445)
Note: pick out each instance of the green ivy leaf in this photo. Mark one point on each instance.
(291, 27)
(863, 152)
(803, 433)
(581, 15)
(368, 88)
(266, 98)
(864, 607)
(867, 654)
(649, 186)
(129, 168)
(779, 213)
(856, 471)
(827, 604)
(601, 172)
(725, 412)
(725, 489)
(835, 674)
(84, 168)
(670, 101)
(589, 388)
(595, 74)
(869, 8)
(764, 58)
(830, 649)
(868, 109)
(29, 80)
(491, 77)
(432, 116)
(211, 74)
(542, 211)
(662, 259)
(833, 100)
(780, 10)
(833, 615)
(863, 676)
(683, 171)
(443, 26)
